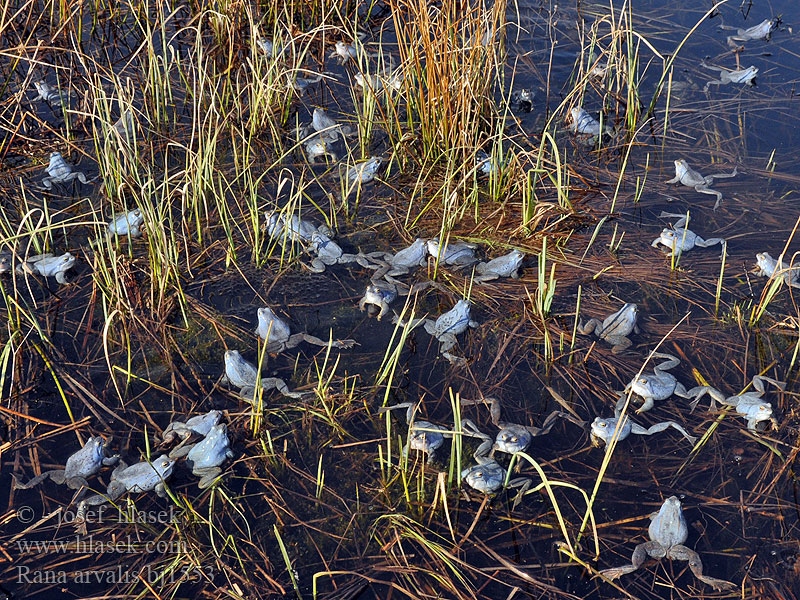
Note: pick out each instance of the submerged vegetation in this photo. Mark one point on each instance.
(499, 172)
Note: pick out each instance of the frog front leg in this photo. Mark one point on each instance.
(161, 490)
(682, 553)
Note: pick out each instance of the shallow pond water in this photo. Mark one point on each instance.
(318, 501)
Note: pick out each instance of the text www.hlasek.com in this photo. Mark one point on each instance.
(89, 545)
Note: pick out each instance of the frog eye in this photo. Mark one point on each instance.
(643, 380)
(602, 424)
(514, 438)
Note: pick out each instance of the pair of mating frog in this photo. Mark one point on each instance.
(205, 458)
(278, 337)
(660, 384)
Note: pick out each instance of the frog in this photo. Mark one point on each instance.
(488, 476)
(144, 476)
(364, 172)
(301, 84)
(81, 465)
(522, 100)
(678, 239)
(395, 265)
(329, 253)
(193, 428)
(658, 385)
(6, 262)
(668, 531)
(49, 265)
(320, 145)
(423, 436)
(128, 224)
(766, 266)
(603, 430)
(323, 124)
(59, 171)
(687, 176)
(615, 328)
(762, 31)
(269, 48)
(206, 457)
(582, 123)
(278, 336)
(391, 81)
(485, 165)
(502, 266)
(446, 328)
(293, 230)
(513, 437)
(48, 93)
(747, 76)
(124, 128)
(750, 405)
(244, 375)
(380, 294)
(456, 254)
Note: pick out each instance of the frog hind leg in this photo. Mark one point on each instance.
(76, 483)
(619, 343)
(703, 189)
(637, 560)
(209, 478)
(180, 451)
(591, 326)
(682, 553)
(16, 482)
